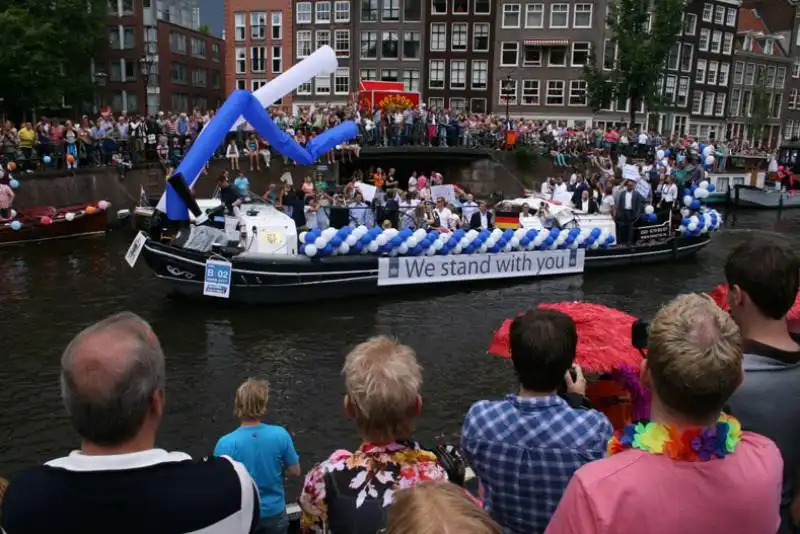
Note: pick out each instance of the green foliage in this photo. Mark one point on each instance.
(46, 49)
(760, 110)
(641, 54)
(204, 29)
(526, 159)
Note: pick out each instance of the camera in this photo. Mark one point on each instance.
(639, 334)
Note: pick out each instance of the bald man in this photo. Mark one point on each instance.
(112, 385)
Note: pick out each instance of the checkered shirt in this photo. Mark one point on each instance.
(525, 450)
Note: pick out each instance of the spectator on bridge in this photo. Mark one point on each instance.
(763, 282)
(349, 492)
(112, 384)
(732, 483)
(526, 447)
(265, 450)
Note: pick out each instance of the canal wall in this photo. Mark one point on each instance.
(54, 188)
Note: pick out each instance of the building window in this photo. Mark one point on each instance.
(323, 38)
(738, 73)
(580, 54)
(697, 102)
(700, 71)
(341, 11)
(708, 104)
(609, 54)
(511, 15)
(277, 59)
(391, 11)
(303, 43)
(559, 16)
(555, 93)
(369, 74)
(796, 68)
(411, 45)
(534, 16)
(369, 10)
(712, 73)
(509, 54)
(690, 24)
(179, 73)
(793, 100)
(770, 80)
(438, 37)
(736, 98)
(258, 25)
(557, 56)
(673, 56)
(436, 102)
(670, 87)
(719, 105)
(303, 12)
(439, 7)
(705, 36)
(531, 93)
(727, 44)
(460, 7)
(411, 80)
(582, 17)
(724, 71)
(477, 105)
(322, 84)
(532, 56)
(719, 15)
(480, 74)
(577, 93)
(239, 27)
(436, 74)
(483, 7)
(390, 75)
(716, 42)
(215, 51)
(128, 38)
(341, 43)
(508, 92)
(459, 39)
(708, 12)
(749, 74)
(458, 104)
(200, 78)
(304, 89)
(731, 18)
(241, 60)
(390, 45)
(480, 37)
(369, 45)
(780, 80)
(686, 57)
(323, 12)
(683, 92)
(458, 74)
(277, 25)
(341, 81)
(787, 131)
(746, 102)
(255, 85)
(412, 10)
(177, 42)
(258, 59)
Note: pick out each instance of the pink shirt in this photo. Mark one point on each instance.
(635, 492)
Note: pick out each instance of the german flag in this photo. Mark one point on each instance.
(504, 220)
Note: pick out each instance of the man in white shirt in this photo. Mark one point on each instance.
(468, 208)
(643, 144)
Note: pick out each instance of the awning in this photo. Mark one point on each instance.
(546, 42)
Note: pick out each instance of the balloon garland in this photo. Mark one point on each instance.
(360, 240)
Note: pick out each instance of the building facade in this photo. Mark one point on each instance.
(390, 38)
(157, 60)
(458, 55)
(258, 44)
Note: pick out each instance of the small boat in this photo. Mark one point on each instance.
(749, 196)
(724, 183)
(44, 223)
(256, 256)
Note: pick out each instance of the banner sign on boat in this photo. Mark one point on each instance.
(408, 270)
(652, 233)
(132, 256)
(217, 282)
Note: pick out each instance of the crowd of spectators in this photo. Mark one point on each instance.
(720, 452)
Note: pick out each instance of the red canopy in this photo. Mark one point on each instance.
(372, 85)
(604, 337)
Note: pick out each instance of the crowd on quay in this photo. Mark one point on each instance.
(719, 453)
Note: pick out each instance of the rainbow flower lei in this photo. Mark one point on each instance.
(692, 445)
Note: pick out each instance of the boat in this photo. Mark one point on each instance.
(45, 223)
(255, 254)
(724, 184)
(748, 196)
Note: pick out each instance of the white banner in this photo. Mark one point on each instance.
(435, 269)
(447, 192)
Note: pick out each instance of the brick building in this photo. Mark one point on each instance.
(156, 50)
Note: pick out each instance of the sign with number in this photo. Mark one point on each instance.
(217, 282)
(659, 232)
(135, 249)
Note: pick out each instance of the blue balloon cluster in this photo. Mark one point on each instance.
(706, 221)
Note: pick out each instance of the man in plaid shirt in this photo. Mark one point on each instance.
(525, 448)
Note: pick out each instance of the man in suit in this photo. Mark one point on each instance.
(630, 206)
(481, 219)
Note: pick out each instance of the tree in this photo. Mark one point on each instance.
(204, 29)
(641, 54)
(46, 49)
(760, 110)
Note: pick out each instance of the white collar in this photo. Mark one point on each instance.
(77, 461)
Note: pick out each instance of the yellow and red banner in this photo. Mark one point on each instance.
(388, 99)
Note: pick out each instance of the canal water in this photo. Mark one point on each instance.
(51, 291)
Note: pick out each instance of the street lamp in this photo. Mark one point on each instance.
(145, 64)
(101, 78)
(508, 88)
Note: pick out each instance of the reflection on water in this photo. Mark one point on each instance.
(50, 292)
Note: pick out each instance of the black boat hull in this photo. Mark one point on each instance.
(300, 279)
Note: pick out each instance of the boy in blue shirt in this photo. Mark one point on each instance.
(265, 450)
